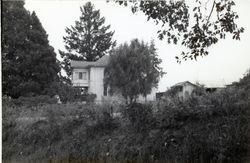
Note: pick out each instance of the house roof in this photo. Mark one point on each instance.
(184, 83)
(213, 84)
(207, 84)
(102, 62)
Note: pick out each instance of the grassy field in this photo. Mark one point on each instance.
(208, 128)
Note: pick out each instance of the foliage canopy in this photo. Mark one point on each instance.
(133, 69)
(29, 63)
(195, 28)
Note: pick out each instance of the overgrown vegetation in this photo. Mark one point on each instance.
(208, 128)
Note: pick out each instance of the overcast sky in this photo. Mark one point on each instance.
(227, 61)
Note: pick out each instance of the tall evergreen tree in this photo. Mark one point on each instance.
(88, 40)
(29, 63)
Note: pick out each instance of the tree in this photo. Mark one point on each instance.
(212, 20)
(244, 82)
(88, 40)
(29, 63)
(133, 70)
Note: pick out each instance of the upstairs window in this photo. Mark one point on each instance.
(180, 88)
(82, 75)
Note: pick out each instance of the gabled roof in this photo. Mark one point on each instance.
(184, 83)
(102, 62)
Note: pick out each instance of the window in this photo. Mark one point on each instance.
(82, 75)
(105, 90)
(181, 88)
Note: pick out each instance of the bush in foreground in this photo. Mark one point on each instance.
(211, 128)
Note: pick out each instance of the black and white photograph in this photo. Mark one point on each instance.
(132, 81)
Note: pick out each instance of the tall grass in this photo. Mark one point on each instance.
(208, 128)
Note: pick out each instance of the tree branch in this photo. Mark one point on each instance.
(210, 12)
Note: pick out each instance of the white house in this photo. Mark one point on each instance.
(184, 89)
(90, 77)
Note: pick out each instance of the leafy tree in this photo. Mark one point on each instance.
(244, 83)
(197, 28)
(133, 70)
(88, 40)
(29, 63)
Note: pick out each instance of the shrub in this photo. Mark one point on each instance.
(34, 101)
(102, 122)
(140, 116)
(88, 97)
(68, 93)
(211, 127)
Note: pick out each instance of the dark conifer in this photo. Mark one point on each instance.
(88, 40)
(29, 63)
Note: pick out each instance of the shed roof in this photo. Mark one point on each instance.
(214, 84)
(102, 62)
